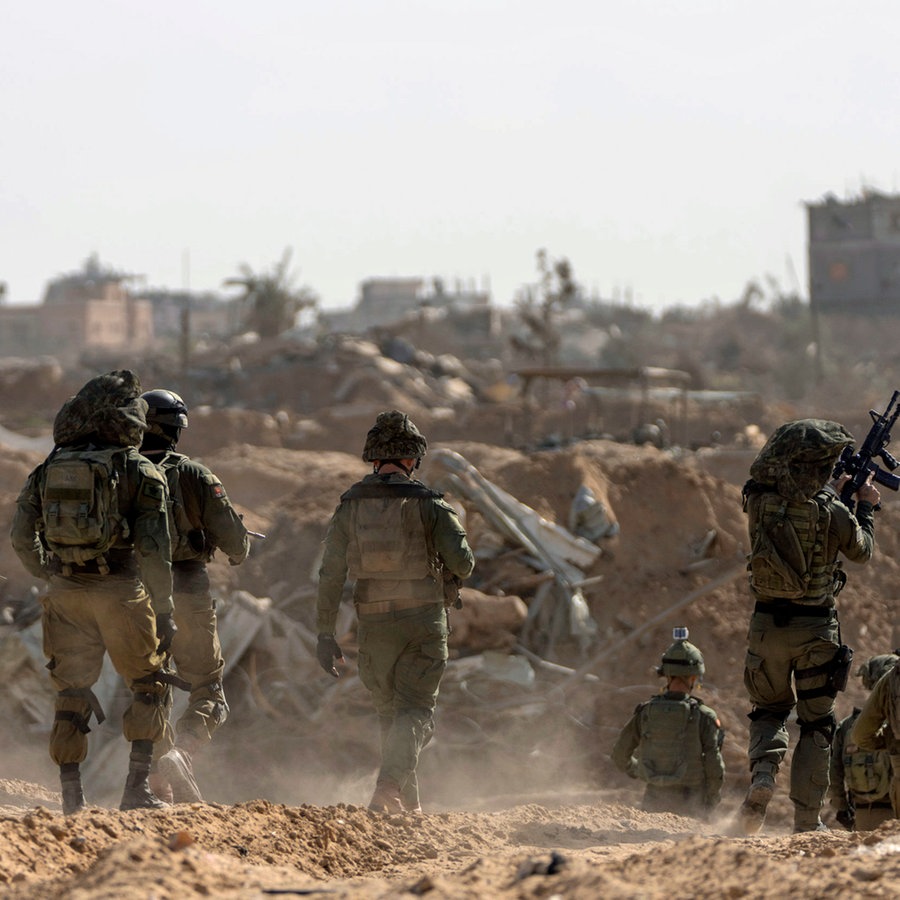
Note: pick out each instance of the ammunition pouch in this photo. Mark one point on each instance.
(838, 671)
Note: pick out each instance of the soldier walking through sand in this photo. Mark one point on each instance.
(91, 520)
(797, 528)
(673, 741)
(860, 780)
(202, 520)
(396, 539)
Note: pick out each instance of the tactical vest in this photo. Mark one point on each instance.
(80, 520)
(670, 753)
(389, 553)
(186, 536)
(789, 556)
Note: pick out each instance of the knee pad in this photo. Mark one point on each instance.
(824, 726)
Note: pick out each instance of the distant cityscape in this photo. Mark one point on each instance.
(100, 309)
(854, 266)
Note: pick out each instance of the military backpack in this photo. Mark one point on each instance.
(79, 499)
(867, 773)
(787, 545)
(670, 747)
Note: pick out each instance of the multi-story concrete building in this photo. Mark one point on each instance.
(854, 254)
(90, 310)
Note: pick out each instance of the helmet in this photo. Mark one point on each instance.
(800, 456)
(681, 658)
(393, 436)
(873, 669)
(165, 411)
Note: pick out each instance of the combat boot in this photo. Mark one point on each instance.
(805, 823)
(409, 796)
(160, 786)
(72, 793)
(137, 793)
(386, 798)
(752, 813)
(176, 768)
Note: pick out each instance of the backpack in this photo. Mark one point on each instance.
(867, 773)
(785, 536)
(79, 500)
(670, 742)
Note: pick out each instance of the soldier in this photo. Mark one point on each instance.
(673, 741)
(797, 527)
(202, 519)
(397, 539)
(91, 520)
(860, 780)
(878, 726)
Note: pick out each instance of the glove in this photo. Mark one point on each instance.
(165, 631)
(846, 818)
(327, 651)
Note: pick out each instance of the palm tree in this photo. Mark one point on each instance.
(271, 301)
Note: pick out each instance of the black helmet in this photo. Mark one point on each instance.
(165, 408)
(681, 658)
(393, 436)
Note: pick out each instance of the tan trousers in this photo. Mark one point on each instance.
(110, 615)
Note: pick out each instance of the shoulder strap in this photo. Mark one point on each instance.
(374, 490)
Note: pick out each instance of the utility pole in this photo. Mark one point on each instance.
(185, 343)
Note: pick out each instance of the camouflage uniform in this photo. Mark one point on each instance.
(388, 534)
(878, 727)
(860, 780)
(87, 613)
(689, 732)
(202, 520)
(792, 643)
(196, 650)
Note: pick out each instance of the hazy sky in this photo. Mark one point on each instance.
(664, 148)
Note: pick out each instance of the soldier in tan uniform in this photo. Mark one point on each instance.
(878, 726)
(860, 779)
(798, 528)
(397, 540)
(91, 520)
(202, 520)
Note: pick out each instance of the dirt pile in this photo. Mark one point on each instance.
(592, 849)
(519, 766)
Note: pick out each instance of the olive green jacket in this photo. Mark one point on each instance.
(878, 724)
(210, 520)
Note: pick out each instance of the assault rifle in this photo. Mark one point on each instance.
(861, 464)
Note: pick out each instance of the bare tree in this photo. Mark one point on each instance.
(540, 305)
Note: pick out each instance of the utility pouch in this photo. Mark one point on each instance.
(840, 669)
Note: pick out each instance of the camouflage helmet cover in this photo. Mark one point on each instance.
(109, 408)
(164, 408)
(874, 668)
(680, 659)
(393, 436)
(799, 457)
